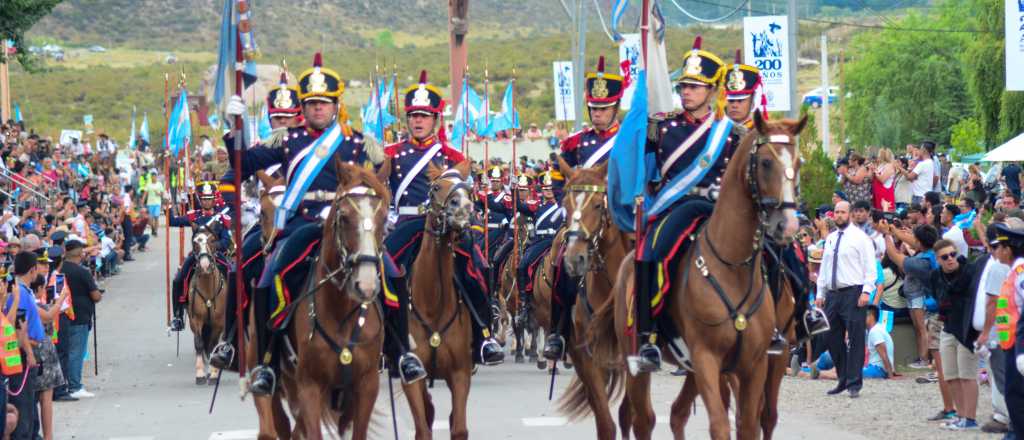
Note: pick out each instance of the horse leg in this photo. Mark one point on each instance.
(707, 376)
(200, 365)
(748, 401)
(267, 419)
(416, 395)
(639, 389)
(769, 409)
(281, 423)
(458, 384)
(681, 407)
(311, 408)
(364, 396)
(625, 416)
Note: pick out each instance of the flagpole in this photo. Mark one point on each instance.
(513, 180)
(638, 202)
(394, 96)
(236, 222)
(167, 175)
(487, 162)
(183, 182)
(380, 108)
(465, 112)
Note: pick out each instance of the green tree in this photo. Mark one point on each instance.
(817, 178)
(385, 40)
(915, 77)
(17, 17)
(968, 137)
(983, 61)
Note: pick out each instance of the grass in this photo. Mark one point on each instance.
(121, 58)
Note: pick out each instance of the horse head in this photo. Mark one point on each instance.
(587, 216)
(773, 175)
(354, 234)
(270, 200)
(204, 247)
(450, 206)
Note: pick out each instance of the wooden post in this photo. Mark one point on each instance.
(5, 86)
(458, 27)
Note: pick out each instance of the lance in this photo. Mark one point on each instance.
(167, 175)
(380, 108)
(236, 222)
(465, 112)
(183, 172)
(638, 202)
(95, 347)
(487, 187)
(394, 98)
(515, 192)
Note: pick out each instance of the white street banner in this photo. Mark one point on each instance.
(565, 99)
(766, 46)
(66, 136)
(629, 50)
(1014, 45)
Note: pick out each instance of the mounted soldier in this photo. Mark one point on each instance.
(591, 146)
(691, 150)
(305, 157)
(411, 188)
(285, 111)
(498, 203)
(585, 149)
(547, 217)
(207, 216)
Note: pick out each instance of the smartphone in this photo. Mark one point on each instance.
(58, 287)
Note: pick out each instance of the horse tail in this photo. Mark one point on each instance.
(602, 335)
(575, 401)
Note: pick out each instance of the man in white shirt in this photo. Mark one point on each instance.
(983, 320)
(923, 174)
(952, 231)
(845, 281)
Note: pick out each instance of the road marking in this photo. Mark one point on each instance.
(138, 437)
(440, 425)
(242, 434)
(545, 421)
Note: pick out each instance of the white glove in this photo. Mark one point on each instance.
(1020, 363)
(236, 107)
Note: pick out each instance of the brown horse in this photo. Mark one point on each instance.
(758, 195)
(337, 329)
(207, 299)
(439, 327)
(520, 312)
(273, 418)
(592, 244)
(784, 309)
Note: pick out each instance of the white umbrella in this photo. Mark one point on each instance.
(1012, 151)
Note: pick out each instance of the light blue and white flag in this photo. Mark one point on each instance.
(508, 118)
(17, 113)
(618, 10)
(132, 137)
(144, 128)
(179, 127)
(468, 112)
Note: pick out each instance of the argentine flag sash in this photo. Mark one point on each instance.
(684, 181)
(322, 151)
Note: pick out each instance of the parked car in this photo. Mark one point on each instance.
(814, 97)
(97, 49)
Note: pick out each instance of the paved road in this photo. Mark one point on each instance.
(146, 392)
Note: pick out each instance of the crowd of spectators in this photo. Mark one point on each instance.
(73, 214)
(916, 241)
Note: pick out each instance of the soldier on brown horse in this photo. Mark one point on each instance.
(207, 300)
(718, 304)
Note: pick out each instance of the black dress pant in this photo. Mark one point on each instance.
(846, 338)
(1014, 394)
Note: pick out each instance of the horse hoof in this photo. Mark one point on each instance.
(534, 359)
(201, 380)
(211, 381)
(542, 365)
(520, 359)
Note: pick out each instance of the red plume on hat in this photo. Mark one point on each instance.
(738, 59)
(284, 79)
(697, 42)
(600, 64)
(318, 60)
(423, 77)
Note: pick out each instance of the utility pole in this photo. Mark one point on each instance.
(458, 27)
(824, 95)
(842, 101)
(579, 58)
(794, 103)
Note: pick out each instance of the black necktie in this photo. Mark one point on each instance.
(835, 259)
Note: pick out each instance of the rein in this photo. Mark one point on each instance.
(764, 205)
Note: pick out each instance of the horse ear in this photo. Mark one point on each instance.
(433, 172)
(344, 172)
(800, 125)
(565, 169)
(463, 168)
(384, 172)
(759, 121)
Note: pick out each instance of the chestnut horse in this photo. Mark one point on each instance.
(337, 328)
(439, 326)
(721, 310)
(592, 244)
(520, 311)
(207, 299)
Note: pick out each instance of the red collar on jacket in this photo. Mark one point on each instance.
(424, 144)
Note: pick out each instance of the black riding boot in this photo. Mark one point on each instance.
(262, 379)
(409, 366)
(178, 321)
(223, 354)
(490, 352)
(563, 297)
(648, 357)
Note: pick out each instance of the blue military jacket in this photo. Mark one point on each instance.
(404, 157)
(672, 133)
(580, 146)
(547, 217)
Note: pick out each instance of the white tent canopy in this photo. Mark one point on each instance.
(1012, 151)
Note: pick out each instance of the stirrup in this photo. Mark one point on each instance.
(258, 391)
(222, 350)
(419, 372)
(500, 353)
(816, 322)
(640, 364)
(554, 347)
(777, 345)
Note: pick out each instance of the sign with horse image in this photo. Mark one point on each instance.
(765, 44)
